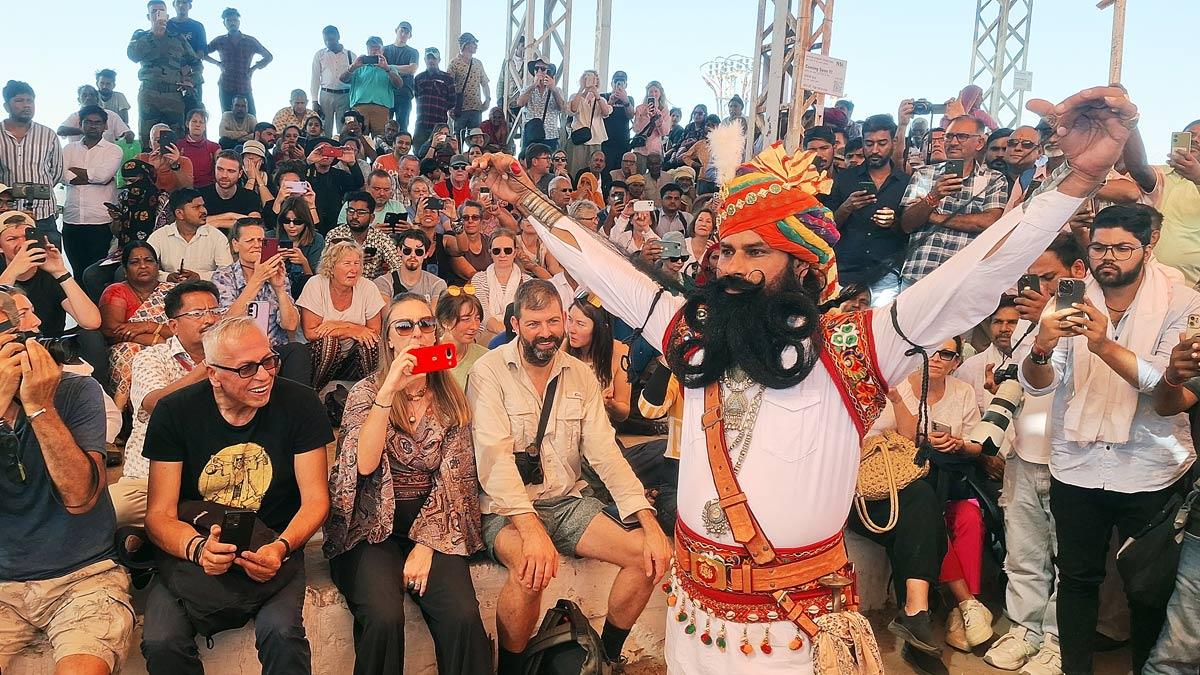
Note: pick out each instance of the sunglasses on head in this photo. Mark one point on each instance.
(590, 298)
(408, 250)
(497, 250)
(465, 289)
(405, 327)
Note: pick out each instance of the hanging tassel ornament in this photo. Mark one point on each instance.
(705, 638)
(691, 627)
(765, 647)
(721, 638)
(796, 643)
(682, 615)
(746, 648)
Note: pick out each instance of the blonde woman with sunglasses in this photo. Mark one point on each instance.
(404, 507)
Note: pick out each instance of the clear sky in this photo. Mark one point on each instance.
(895, 48)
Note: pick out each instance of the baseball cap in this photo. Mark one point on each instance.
(620, 75)
(460, 159)
(14, 215)
(433, 51)
(374, 40)
(254, 148)
(4, 188)
(405, 24)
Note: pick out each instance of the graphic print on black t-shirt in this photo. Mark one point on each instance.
(237, 476)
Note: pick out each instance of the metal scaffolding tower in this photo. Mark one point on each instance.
(552, 42)
(999, 50)
(774, 87)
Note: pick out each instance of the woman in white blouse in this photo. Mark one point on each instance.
(496, 286)
(632, 232)
(341, 313)
(953, 412)
(588, 110)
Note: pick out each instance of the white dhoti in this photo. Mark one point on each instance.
(800, 470)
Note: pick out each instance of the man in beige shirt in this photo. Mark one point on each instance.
(528, 521)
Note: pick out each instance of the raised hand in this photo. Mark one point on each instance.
(1090, 127)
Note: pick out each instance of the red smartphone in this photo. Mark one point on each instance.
(270, 249)
(330, 151)
(434, 358)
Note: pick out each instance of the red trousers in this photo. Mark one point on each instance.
(964, 554)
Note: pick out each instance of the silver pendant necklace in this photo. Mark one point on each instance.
(740, 413)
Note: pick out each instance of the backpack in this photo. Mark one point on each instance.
(566, 644)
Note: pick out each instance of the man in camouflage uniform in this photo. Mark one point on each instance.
(169, 68)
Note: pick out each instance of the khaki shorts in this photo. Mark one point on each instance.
(565, 520)
(85, 612)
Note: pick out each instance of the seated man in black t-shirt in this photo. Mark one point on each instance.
(39, 269)
(242, 439)
(58, 576)
(226, 200)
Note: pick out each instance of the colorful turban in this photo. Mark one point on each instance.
(775, 195)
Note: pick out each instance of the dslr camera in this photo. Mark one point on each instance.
(64, 349)
(1002, 375)
(31, 191)
(922, 106)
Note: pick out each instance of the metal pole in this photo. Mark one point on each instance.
(603, 38)
(1118, 42)
(453, 28)
(758, 71)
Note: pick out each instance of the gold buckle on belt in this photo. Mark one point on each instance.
(710, 570)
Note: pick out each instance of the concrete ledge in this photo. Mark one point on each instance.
(330, 628)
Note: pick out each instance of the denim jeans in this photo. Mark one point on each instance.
(1178, 649)
(1030, 598)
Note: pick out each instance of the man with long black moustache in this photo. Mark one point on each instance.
(764, 569)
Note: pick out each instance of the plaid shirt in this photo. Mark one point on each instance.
(385, 259)
(236, 53)
(933, 245)
(435, 97)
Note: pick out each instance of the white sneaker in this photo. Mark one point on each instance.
(1011, 651)
(1048, 660)
(956, 631)
(977, 621)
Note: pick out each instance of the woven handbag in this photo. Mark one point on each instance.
(887, 466)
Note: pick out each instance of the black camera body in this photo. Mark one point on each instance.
(1001, 375)
(63, 349)
(31, 191)
(922, 106)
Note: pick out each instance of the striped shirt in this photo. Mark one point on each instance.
(932, 245)
(36, 158)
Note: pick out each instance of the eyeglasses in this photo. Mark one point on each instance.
(1119, 251)
(458, 166)
(465, 289)
(946, 354)
(961, 138)
(560, 159)
(201, 313)
(358, 212)
(418, 251)
(507, 250)
(472, 218)
(293, 221)
(249, 370)
(1024, 145)
(405, 327)
(10, 446)
(541, 70)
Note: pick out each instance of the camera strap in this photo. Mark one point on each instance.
(922, 441)
(547, 406)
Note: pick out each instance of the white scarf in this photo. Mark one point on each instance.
(1103, 405)
(500, 296)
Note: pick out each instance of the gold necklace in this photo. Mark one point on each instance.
(412, 398)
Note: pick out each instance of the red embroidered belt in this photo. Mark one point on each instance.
(801, 584)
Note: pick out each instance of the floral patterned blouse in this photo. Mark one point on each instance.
(363, 507)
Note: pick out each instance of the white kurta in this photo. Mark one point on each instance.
(800, 471)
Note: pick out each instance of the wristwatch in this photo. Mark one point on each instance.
(1039, 357)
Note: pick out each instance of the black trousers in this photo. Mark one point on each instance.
(85, 245)
(169, 640)
(1084, 519)
(916, 545)
(295, 362)
(371, 577)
